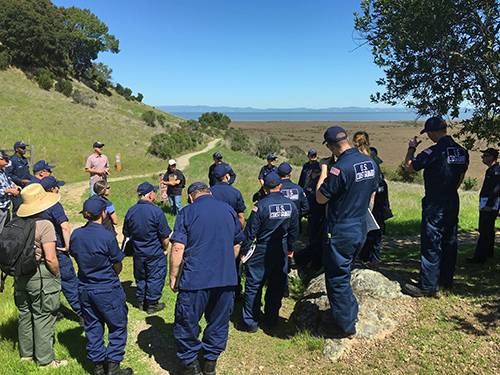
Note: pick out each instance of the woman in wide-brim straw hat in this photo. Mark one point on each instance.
(37, 296)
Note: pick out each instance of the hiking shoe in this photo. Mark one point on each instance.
(114, 369)
(209, 367)
(99, 368)
(240, 325)
(333, 331)
(155, 307)
(26, 358)
(55, 364)
(415, 291)
(192, 368)
(141, 306)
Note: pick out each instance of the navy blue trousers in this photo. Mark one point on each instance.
(217, 304)
(343, 241)
(439, 246)
(262, 267)
(100, 307)
(486, 242)
(69, 281)
(150, 274)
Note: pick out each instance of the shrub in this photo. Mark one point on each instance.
(119, 89)
(389, 174)
(4, 60)
(161, 120)
(214, 120)
(45, 79)
(295, 155)
(237, 139)
(268, 145)
(470, 183)
(166, 146)
(127, 93)
(149, 117)
(81, 97)
(405, 176)
(139, 97)
(64, 86)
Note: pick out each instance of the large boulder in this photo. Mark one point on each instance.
(381, 307)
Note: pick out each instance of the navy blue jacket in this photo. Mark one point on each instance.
(349, 186)
(226, 193)
(264, 171)
(95, 250)
(209, 229)
(294, 192)
(443, 164)
(274, 224)
(491, 185)
(147, 226)
(56, 216)
(18, 170)
(212, 180)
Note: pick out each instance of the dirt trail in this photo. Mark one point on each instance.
(72, 193)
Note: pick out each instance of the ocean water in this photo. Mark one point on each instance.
(310, 116)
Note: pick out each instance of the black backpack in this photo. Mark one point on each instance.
(17, 248)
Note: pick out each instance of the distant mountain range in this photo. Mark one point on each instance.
(205, 108)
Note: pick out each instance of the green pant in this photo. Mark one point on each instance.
(37, 298)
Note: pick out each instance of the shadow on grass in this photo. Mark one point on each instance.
(75, 343)
(8, 330)
(130, 292)
(158, 343)
(402, 227)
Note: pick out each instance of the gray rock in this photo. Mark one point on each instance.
(381, 307)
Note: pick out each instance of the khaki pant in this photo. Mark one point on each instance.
(37, 313)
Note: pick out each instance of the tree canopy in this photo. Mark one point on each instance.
(438, 56)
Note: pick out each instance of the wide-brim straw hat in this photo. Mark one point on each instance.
(36, 200)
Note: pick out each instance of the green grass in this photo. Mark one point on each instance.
(63, 132)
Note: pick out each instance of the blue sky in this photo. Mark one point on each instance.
(254, 53)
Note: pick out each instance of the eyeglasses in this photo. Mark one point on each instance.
(48, 170)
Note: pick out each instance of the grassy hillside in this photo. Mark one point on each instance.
(63, 132)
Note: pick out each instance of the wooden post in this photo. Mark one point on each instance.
(118, 164)
(163, 190)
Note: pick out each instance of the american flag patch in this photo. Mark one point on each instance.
(428, 151)
(335, 171)
(255, 209)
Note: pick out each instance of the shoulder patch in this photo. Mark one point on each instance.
(456, 155)
(428, 151)
(335, 171)
(255, 209)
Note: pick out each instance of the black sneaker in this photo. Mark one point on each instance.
(155, 307)
(141, 306)
(243, 327)
(192, 368)
(415, 291)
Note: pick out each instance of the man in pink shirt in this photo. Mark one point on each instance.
(97, 165)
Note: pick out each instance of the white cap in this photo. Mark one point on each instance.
(172, 162)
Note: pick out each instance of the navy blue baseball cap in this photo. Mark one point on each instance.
(221, 170)
(41, 165)
(196, 186)
(272, 180)
(146, 188)
(491, 151)
(19, 144)
(49, 182)
(284, 168)
(312, 152)
(98, 144)
(217, 155)
(271, 156)
(432, 124)
(95, 205)
(334, 134)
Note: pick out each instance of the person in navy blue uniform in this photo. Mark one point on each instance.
(264, 171)
(19, 172)
(57, 216)
(273, 226)
(292, 191)
(444, 165)
(41, 169)
(218, 161)
(102, 298)
(223, 191)
(146, 226)
(348, 187)
(312, 155)
(207, 236)
(488, 208)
